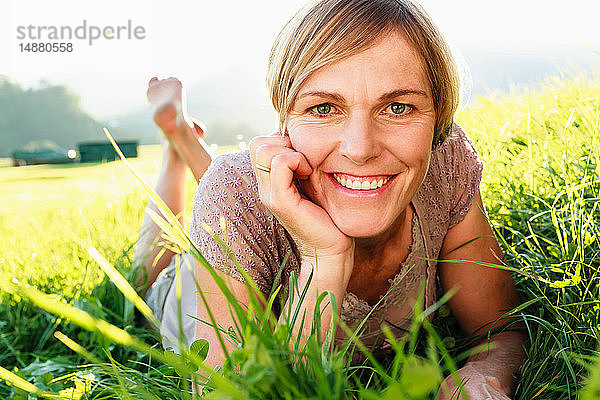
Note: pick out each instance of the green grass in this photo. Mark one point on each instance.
(541, 187)
(48, 209)
(542, 190)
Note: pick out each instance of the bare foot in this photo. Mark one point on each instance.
(184, 135)
(167, 99)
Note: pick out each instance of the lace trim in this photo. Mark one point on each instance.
(412, 271)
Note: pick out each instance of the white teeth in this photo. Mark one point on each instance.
(358, 185)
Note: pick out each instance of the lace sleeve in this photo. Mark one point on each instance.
(466, 175)
(227, 197)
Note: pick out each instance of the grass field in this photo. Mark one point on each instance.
(49, 209)
(541, 187)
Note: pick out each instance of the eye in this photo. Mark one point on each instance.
(322, 109)
(398, 108)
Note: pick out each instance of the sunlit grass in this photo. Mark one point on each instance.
(541, 187)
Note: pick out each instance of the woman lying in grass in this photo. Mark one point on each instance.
(367, 185)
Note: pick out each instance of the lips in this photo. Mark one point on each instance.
(361, 182)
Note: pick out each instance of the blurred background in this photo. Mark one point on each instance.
(219, 51)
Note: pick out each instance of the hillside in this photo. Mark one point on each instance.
(232, 105)
(48, 113)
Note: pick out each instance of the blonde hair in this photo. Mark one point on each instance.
(327, 31)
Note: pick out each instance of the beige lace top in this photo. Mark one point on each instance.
(395, 308)
(229, 191)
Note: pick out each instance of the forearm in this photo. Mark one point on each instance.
(501, 358)
(328, 274)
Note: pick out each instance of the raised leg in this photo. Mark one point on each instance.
(184, 148)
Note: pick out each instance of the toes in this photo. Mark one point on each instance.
(199, 128)
(152, 80)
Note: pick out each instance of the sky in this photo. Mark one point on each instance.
(195, 40)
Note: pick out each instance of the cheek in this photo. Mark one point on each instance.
(309, 140)
(419, 144)
(412, 155)
(421, 152)
(410, 146)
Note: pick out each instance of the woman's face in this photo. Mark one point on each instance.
(365, 125)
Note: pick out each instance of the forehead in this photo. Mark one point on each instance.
(390, 63)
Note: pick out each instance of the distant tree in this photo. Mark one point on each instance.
(49, 112)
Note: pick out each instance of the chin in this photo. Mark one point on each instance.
(362, 228)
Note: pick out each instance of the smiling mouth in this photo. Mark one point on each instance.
(361, 183)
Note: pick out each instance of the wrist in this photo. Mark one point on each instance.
(327, 254)
(328, 268)
(319, 258)
(503, 359)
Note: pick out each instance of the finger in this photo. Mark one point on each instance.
(493, 393)
(265, 153)
(283, 168)
(262, 163)
(152, 80)
(273, 138)
(492, 380)
(259, 141)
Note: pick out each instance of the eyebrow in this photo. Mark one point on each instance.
(325, 95)
(383, 98)
(401, 92)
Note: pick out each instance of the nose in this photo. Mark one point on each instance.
(358, 140)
